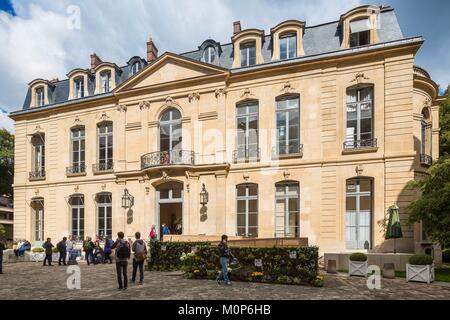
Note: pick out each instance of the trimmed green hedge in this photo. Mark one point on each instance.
(420, 260)
(278, 265)
(358, 256)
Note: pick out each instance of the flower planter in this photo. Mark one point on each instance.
(357, 268)
(37, 256)
(418, 273)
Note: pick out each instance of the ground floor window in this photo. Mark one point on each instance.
(359, 198)
(104, 215)
(247, 210)
(77, 216)
(37, 206)
(287, 210)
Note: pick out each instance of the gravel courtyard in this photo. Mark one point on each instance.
(33, 281)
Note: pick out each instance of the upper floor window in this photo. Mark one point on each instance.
(209, 55)
(170, 137)
(105, 81)
(288, 126)
(105, 147)
(248, 54)
(360, 32)
(38, 166)
(288, 46)
(40, 98)
(247, 210)
(360, 118)
(78, 150)
(79, 87)
(247, 131)
(136, 67)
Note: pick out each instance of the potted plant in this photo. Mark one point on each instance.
(37, 254)
(420, 268)
(357, 265)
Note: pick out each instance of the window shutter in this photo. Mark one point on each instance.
(360, 25)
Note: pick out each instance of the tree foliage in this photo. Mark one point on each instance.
(433, 208)
(6, 162)
(445, 125)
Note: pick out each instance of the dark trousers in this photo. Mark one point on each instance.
(107, 257)
(1, 263)
(48, 257)
(90, 254)
(62, 257)
(121, 268)
(137, 264)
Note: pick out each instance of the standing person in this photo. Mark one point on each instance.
(88, 247)
(2, 247)
(123, 252)
(165, 230)
(98, 253)
(62, 247)
(153, 233)
(107, 251)
(70, 250)
(225, 254)
(48, 246)
(140, 254)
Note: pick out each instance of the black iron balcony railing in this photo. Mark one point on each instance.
(103, 166)
(426, 159)
(76, 169)
(167, 158)
(286, 151)
(360, 144)
(37, 174)
(246, 154)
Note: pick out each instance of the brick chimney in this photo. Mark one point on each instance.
(236, 27)
(152, 51)
(95, 60)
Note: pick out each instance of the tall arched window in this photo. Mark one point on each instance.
(76, 203)
(288, 126)
(105, 146)
(79, 87)
(170, 137)
(360, 118)
(359, 201)
(40, 97)
(247, 210)
(37, 206)
(106, 84)
(287, 210)
(104, 215)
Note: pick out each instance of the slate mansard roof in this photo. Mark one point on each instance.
(317, 40)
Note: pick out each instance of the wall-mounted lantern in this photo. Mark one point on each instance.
(204, 196)
(127, 200)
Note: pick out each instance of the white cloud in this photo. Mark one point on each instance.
(37, 43)
(6, 122)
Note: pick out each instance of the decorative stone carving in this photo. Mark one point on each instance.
(170, 102)
(287, 88)
(194, 96)
(144, 105)
(77, 121)
(360, 77)
(164, 175)
(104, 186)
(76, 189)
(36, 191)
(286, 174)
(247, 94)
(246, 176)
(122, 108)
(359, 170)
(147, 190)
(221, 92)
(38, 128)
(103, 116)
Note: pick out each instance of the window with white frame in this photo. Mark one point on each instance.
(105, 146)
(248, 54)
(360, 32)
(78, 141)
(79, 87)
(247, 130)
(247, 210)
(37, 206)
(38, 145)
(105, 81)
(359, 199)
(40, 97)
(288, 46)
(360, 118)
(104, 215)
(287, 210)
(209, 55)
(288, 126)
(136, 67)
(77, 216)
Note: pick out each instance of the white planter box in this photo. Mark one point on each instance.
(55, 257)
(418, 273)
(357, 268)
(37, 256)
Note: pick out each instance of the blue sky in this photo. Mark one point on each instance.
(36, 42)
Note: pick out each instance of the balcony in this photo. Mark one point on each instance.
(426, 160)
(37, 175)
(245, 155)
(103, 167)
(286, 152)
(167, 158)
(76, 170)
(359, 146)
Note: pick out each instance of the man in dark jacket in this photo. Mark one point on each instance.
(140, 254)
(225, 254)
(2, 247)
(123, 252)
(88, 247)
(48, 246)
(62, 247)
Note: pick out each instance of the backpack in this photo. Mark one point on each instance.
(107, 249)
(58, 246)
(123, 251)
(87, 245)
(139, 254)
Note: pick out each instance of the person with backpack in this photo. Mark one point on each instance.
(48, 246)
(62, 248)
(123, 252)
(140, 254)
(225, 254)
(88, 247)
(107, 251)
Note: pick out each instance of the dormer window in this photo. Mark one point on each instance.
(248, 54)
(135, 68)
(79, 87)
(360, 33)
(105, 82)
(209, 55)
(288, 46)
(40, 98)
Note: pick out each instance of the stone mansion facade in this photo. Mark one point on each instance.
(304, 132)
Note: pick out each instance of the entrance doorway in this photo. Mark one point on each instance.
(170, 208)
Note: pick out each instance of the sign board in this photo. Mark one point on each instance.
(258, 263)
(293, 254)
